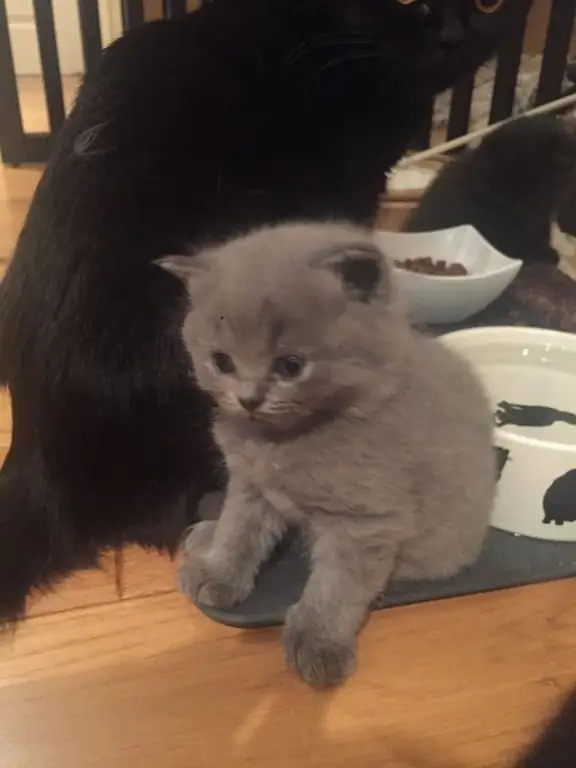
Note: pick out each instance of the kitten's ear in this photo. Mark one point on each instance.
(361, 269)
(186, 268)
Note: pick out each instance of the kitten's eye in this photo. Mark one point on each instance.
(288, 367)
(223, 362)
(489, 6)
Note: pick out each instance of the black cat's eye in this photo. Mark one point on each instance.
(223, 362)
(288, 367)
(489, 6)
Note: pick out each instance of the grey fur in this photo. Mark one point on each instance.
(381, 451)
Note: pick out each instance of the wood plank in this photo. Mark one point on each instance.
(149, 682)
(5, 414)
(16, 189)
(145, 572)
(93, 587)
(5, 422)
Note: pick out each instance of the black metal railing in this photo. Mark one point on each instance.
(19, 146)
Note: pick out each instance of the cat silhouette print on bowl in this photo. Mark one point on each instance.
(440, 299)
(530, 375)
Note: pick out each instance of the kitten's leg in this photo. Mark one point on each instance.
(351, 563)
(222, 559)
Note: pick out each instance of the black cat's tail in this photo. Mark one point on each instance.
(36, 543)
(556, 747)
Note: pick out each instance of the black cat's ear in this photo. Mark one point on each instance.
(361, 269)
(185, 268)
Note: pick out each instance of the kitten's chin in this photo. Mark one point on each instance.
(275, 421)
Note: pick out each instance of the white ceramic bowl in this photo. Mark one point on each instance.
(530, 375)
(436, 299)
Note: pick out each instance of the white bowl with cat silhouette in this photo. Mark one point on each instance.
(438, 299)
(530, 376)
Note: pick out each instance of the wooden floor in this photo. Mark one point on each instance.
(116, 669)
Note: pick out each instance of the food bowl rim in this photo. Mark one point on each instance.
(509, 265)
(495, 330)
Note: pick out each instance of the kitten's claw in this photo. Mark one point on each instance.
(311, 654)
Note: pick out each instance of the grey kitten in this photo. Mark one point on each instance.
(336, 417)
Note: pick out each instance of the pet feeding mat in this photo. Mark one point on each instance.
(507, 561)
(541, 297)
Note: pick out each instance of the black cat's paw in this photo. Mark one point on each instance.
(320, 661)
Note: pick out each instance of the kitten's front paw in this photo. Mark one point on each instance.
(192, 573)
(203, 579)
(199, 538)
(223, 594)
(320, 661)
(206, 585)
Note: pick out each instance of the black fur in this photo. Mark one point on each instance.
(556, 747)
(509, 188)
(247, 112)
(567, 217)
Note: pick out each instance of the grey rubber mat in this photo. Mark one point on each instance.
(506, 561)
(542, 296)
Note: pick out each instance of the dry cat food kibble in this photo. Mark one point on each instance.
(425, 265)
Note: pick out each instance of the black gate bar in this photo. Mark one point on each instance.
(132, 13)
(91, 33)
(558, 38)
(174, 8)
(459, 118)
(11, 128)
(508, 67)
(422, 140)
(46, 33)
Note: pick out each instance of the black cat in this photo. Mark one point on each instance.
(556, 746)
(510, 188)
(246, 112)
(560, 500)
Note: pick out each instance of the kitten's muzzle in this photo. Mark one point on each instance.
(251, 404)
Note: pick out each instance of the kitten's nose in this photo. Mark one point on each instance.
(250, 404)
